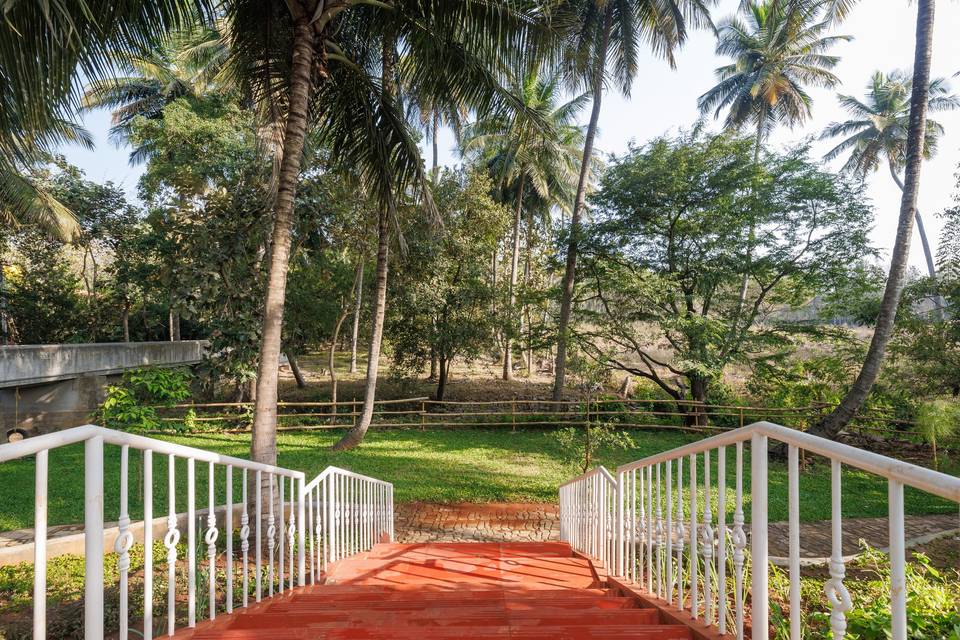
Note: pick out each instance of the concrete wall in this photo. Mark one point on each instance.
(44, 388)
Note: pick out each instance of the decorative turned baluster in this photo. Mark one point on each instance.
(668, 532)
(722, 538)
(210, 537)
(650, 529)
(123, 543)
(706, 538)
(271, 539)
(245, 542)
(191, 543)
(834, 589)
(633, 525)
(228, 528)
(283, 532)
(681, 533)
(258, 540)
(170, 541)
(659, 532)
(292, 531)
(310, 530)
(739, 543)
(147, 545)
(694, 547)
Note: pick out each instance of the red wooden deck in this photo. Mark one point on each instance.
(534, 591)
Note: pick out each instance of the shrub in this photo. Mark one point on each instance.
(132, 404)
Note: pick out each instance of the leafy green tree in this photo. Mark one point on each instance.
(535, 147)
(603, 49)
(877, 132)
(670, 246)
(45, 302)
(441, 297)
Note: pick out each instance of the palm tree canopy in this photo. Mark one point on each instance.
(515, 144)
(877, 129)
(778, 48)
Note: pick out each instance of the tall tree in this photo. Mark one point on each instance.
(603, 49)
(831, 425)
(877, 132)
(531, 149)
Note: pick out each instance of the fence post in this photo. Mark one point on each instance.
(93, 538)
(741, 417)
(423, 415)
(513, 414)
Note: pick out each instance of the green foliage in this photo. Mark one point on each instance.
(132, 404)
(938, 421)
(581, 446)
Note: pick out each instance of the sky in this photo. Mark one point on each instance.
(663, 100)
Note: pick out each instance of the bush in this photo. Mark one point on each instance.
(132, 405)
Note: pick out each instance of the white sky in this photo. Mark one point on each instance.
(664, 99)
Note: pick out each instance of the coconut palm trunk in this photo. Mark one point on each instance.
(358, 299)
(569, 275)
(512, 298)
(831, 425)
(332, 362)
(927, 253)
(263, 445)
(355, 435)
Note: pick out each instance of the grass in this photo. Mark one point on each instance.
(469, 465)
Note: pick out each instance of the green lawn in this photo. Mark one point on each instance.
(433, 465)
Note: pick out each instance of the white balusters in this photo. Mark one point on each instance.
(40, 546)
(292, 532)
(694, 546)
(271, 539)
(739, 544)
(835, 590)
(311, 535)
(301, 532)
(680, 532)
(191, 543)
(210, 537)
(148, 545)
(722, 538)
(898, 580)
(123, 543)
(258, 539)
(668, 559)
(93, 538)
(228, 526)
(282, 529)
(650, 529)
(758, 539)
(706, 538)
(170, 541)
(793, 501)
(245, 540)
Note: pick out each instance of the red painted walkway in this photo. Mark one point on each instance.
(487, 591)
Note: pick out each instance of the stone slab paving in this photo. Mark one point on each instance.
(473, 522)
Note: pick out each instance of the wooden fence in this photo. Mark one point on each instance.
(425, 413)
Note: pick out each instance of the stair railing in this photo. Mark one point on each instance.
(272, 536)
(588, 514)
(347, 513)
(674, 540)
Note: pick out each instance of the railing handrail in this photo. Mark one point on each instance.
(75, 435)
(598, 470)
(331, 470)
(909, 474)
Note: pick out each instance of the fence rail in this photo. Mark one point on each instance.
(425, 413)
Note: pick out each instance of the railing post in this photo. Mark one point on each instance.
(93, 538)
(898, 580)
(40, 548)
(758, 537)
(301, 534)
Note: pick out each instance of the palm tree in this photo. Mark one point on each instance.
(187, 64)
(522, 153)
(831, 424)
(603, 48)
(877, 132)
(777, 51)
(331, 66)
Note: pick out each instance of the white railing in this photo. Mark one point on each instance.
(349, 518)
(347, 513)
(588, 514)
(675, 541)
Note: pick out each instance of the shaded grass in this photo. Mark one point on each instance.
(469, 465)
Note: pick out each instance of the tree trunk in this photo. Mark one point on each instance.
(358, 299)
(126, 321)
(831, 425)
(696, 415)
(332, 363)
(355, 435)
(295, 369)
(569, 275)
(263, 445)
(442, 379)
(927, 253)
(512, 298)
(4, 323)
(526, 307)
(435, 170)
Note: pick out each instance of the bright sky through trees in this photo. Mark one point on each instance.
(663, 99)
